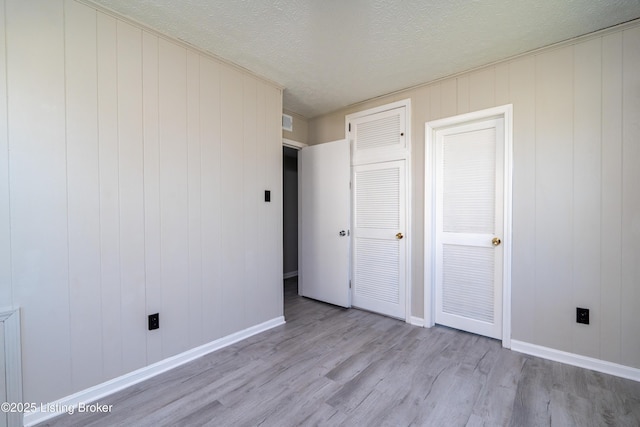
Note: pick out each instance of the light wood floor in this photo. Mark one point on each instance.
(331, 366)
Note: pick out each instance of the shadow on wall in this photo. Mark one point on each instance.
(290, 211)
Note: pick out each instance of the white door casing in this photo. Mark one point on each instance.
(467, 206)
(324, 213)
(380, 159)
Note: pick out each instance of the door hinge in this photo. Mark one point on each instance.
(349, 284)
(349, 127)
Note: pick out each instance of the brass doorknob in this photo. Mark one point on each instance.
(496, 241)
(399, 236)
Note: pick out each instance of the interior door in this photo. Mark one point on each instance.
(469, 226)
(379, 246)
(324, 216)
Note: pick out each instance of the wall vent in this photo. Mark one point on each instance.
(287, 122)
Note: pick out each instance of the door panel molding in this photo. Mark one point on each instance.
(431, 128)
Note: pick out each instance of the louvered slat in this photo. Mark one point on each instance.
(468, 282)
(378, 133)
(469, 182)
(377, 198)
(376, 269)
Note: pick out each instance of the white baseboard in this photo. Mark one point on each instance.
(290, 274)
(100, 391)
(577, 360)
(416, 321)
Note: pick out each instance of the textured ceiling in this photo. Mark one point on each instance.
(332, 53)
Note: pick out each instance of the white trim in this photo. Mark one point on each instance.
(10, 320)
(406, 103)
(290, 274)
(416, 321)
(99, 391)
(576, 360)
(505, 112)
(293, 144)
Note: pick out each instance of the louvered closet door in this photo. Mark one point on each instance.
(378, 251)
(469, 224)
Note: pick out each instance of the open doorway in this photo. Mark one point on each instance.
(290, 219)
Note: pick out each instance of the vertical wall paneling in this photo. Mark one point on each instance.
(501, 76)
(463, 94)
(130, 180)
(253, 197)
(109, 196)
(482, 91)
(151, 161)
(522, 85)
(232, 233)
(437, 99)
(611, 198)
(630, 288)
(449, 96)
(131, 183)
(261, 292)
(272, 281)
(35, 42)
(194, 193)
(587, 133)
(554, 196)
(83, 186)
(269, 287)
(174, 198)
(420, 113)
(6, 299)
(210, 200)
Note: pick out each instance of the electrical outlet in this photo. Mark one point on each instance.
(154, 321)
(582, 315)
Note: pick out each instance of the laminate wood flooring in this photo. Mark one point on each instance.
(330, 366)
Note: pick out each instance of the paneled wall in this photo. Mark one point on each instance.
(132, 174)
(576, 203)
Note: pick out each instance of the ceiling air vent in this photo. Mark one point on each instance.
(287, 122)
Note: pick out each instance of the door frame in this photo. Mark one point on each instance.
(431, 128)
(406, 103)
(290, 143)
(293, 144)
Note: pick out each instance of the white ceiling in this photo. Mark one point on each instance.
(332, 53)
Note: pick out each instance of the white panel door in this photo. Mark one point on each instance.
(469, 224)
(379, 247)
(324, 208)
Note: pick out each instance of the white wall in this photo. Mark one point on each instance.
(576, 197)
(132, 172)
